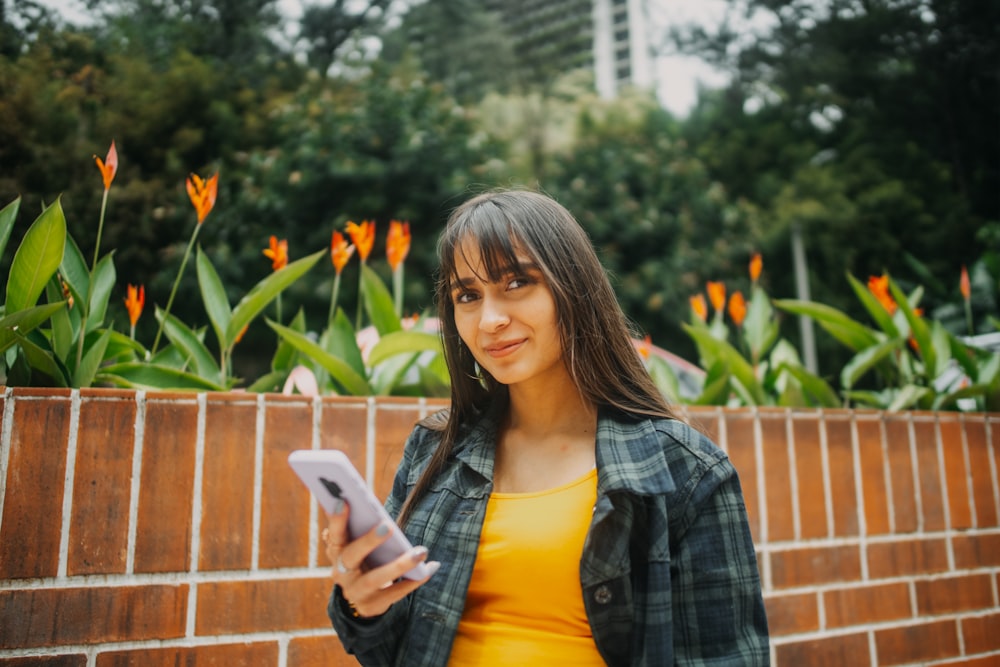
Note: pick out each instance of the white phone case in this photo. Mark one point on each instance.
(329, 474)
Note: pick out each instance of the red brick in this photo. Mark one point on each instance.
(33, 498)
(836, 651)
(956, 473)
(983, 661)
(936, 597)
(809, 468)
(395, 420)
(777, 477)
(917, 643)
(873, 485)
(792, 613)
(980, 473)
(284, 521)
(325, 650)
(227, 489)
(976, 550)
(929, 473)
(163, 532)
(235, 607)
(907, 558)
(742, 453)
(218, 655)
(904, 503)
(840, 449)
(867, 604)
(71, 660)
(344, 426)
(53, 617)
(981, 633)
(102, 487)
(815, 565)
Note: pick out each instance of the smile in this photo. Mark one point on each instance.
(504, 348)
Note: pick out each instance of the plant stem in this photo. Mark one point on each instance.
(333, 300)
(397, 290)
(968, 317)
(173, 292)
(85, 308)
(361, 276)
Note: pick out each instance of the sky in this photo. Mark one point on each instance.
(678, 76)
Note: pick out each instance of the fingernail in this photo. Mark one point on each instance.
(418, 553)
(326, 535)
(338, 505)
(382, 530)
(433, 567)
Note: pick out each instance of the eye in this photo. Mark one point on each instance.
(464, 296)
(518, 282)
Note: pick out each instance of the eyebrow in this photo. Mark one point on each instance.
(520, 268)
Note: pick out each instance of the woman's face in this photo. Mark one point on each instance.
(509, 325)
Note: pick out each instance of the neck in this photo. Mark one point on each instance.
(539, 412)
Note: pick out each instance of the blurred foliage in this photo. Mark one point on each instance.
(869, 126)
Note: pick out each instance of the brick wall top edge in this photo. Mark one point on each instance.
(434, 403)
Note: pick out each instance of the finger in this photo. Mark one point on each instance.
(372, 594)
(335, 535)
(354, 554)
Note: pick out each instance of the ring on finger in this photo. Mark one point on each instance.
(341, 568)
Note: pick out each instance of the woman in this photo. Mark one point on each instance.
(573, 520)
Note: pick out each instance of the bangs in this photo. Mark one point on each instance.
(494, 238)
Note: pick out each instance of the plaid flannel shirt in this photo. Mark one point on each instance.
(668, 571)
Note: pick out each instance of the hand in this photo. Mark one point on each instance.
(370, 592)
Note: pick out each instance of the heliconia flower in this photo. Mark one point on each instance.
(644, 346)
(964, 285)
(134, 301)
(108, 165)
(879, 287)
(363, 236)
(397, 243)
(340, 251)
(716, 294)
(278, 253)
(699, 307)
(203, 194)
(756, 264)
(737, 308)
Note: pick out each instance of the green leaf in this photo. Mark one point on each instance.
(258, 298)
(867, 358)
(402, 342)
(137, 375)
(75, 271)
(907, 397)
(8, 216)
(739, 367)
(760, 329)
(341, 342)
(92, 358)
(816, 387)
(213, 294)
(339, 370)
(664, 378)
(716, 389)
(849, 332)
(36, 259)
(919, 329)
(17, 324)
(378, 302)
(43, 361)
(63, 333)
(201, 362)
(269, 382)
(285, 355)
(874, 307)
(104, 279)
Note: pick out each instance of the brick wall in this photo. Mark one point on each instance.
(165, 529)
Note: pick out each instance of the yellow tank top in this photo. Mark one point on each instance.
(525, 605)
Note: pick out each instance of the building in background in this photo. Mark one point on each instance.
(608, 37)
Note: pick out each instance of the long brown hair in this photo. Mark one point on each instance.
(594, 331)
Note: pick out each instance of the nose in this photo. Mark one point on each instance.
(493, 315)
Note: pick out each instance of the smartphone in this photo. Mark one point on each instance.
(329, 474)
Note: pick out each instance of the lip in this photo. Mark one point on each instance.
(504, 348)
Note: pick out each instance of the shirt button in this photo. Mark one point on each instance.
(602, 595)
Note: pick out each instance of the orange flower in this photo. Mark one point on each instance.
(278, 253)
(108, 165)
(644, 346)
(699, 307)
(737, 308)
(716, 294)
(134, 301)
(397, 244)
(202, 194)
(964, 285)
(363, 236)
(340, 252)
(879, 286)
(756, 264)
